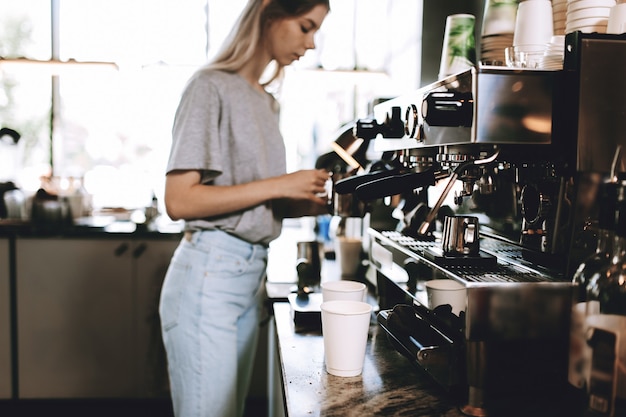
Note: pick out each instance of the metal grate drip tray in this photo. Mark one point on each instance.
(510, 266)
(499, 273)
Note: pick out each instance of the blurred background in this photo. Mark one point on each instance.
(92, 87)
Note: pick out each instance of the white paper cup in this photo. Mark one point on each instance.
(588, 4)
(459, 45)
(446, 291)
(534, 23)
(345, 327)
(499, 17)
(617, 19)
(348, 254)
(344, 290)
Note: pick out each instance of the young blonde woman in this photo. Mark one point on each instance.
(226, 177)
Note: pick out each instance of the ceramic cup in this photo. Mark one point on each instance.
(345, 327)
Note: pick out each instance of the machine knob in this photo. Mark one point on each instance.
(411, 121)
(366, 129)
(448, 109)
(392, 127)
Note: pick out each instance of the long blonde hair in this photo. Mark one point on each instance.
(244, 38)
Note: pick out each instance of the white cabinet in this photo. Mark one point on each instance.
(5, 322)
(150, 265)
(87, 317)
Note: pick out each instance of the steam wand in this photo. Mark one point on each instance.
(616, 159)
(430, 217)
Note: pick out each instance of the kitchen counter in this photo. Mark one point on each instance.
(96, 287)
(96, 226)
(389, 385)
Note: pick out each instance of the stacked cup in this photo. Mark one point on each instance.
(588, 16)
(459, 45)
(559, 16)
(534, 28)
(497, 30)
(345, 327)
(617, 19)
(553, 56)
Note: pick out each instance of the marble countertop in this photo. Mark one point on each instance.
(389, 385)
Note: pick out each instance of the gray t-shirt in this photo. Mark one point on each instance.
(229, 131)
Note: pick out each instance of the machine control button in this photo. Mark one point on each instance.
(411, 121)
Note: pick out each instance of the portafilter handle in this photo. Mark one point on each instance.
(394, 184)
(349, 184)
(430, 217)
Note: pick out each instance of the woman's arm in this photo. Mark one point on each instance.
(187, 198)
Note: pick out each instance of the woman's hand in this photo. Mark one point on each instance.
(306, 194)
(187, 198)
(305, 185)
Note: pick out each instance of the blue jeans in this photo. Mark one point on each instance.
(210, 311)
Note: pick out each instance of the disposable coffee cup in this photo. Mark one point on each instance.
(499, 17)
(446, 291)
(459, 45)
(343, 290)
(617, 19)
(345, 328)
(348, 254)
(534, 23)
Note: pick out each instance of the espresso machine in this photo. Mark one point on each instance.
(523, 152)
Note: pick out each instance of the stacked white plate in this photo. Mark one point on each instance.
(559, 14)
(588, 16)
(553, 56)
(497, 31)
(492, 47)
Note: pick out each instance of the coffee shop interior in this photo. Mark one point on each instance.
(465, 157)
(91, 88)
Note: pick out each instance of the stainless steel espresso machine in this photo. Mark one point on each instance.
(523, 151)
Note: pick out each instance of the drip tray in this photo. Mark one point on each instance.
(482, 259)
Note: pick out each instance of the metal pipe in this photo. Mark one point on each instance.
(430, 217)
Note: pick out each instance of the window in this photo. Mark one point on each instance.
(112, 127)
